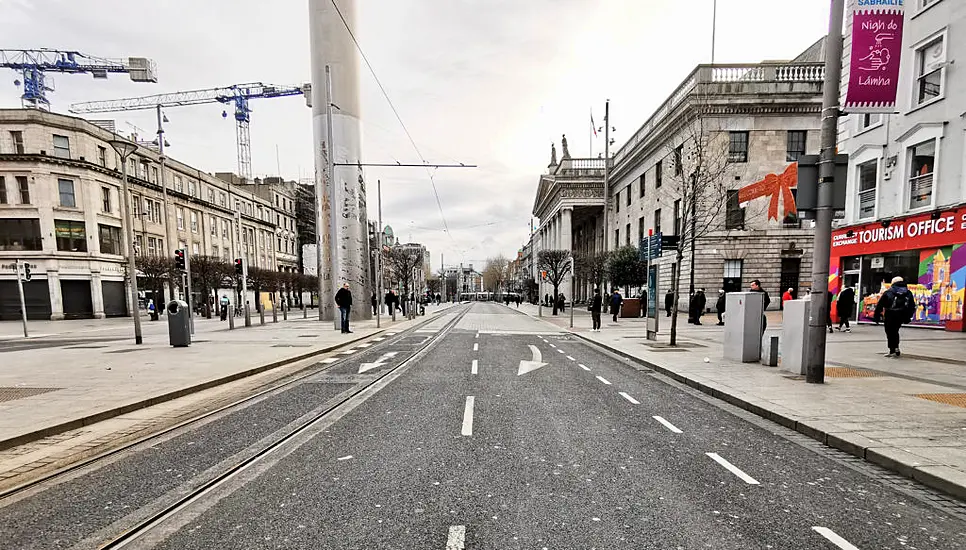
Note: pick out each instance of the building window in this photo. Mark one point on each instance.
(102, 156)
(154, 175)
(224, 229)
(24, 188)
(66, 189)
(191, 188)
(71, 236)
(215, 253)
(658, 174)
(617, 238)
(211, 196)
(735, 216)
(178, 184)
(617, 202)
(657, 221)
(679, 160)
(643, 184)
(868, 181)
(17, 137)
(214, 226)
(195, 249)
(20, 234)
(223, 199)
(156, 212)
(629, 195)
(868, 120)
(106, 199)
(152, 246)
(738, 147)
(640, 230)
(180, 216)
(732, 275)
(921, 175)
(930, 68)
(627, 234)
(796, 145)
(3, 190)
(194, 221)
(792, 220)
(677, 217)
(61, 147)
(110, 239)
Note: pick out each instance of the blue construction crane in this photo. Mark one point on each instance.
(34, 63)
(237, 94)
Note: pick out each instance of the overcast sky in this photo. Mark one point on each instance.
(486, 82)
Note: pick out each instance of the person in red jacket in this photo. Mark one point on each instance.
(786, 297)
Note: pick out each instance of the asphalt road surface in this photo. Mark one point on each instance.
(503, 434)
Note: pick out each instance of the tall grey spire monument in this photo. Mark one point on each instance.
(333, 49)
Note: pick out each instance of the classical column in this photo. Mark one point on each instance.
(56, 297)
(567, 243)
(97, 295)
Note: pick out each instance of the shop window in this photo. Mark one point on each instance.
(868, 183)
(921, 174)
(930, 71)
(71, 236)
(110, 239)
(738, 147)
(795, 146)
(735, 214)
(66, 189)
(20, 234)
(61, 147)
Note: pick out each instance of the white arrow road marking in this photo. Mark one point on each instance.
(378, 362)
(468, 416)
(530, 366)
(835, 539)
(456, 538)
(629, 398)
(733, 469)
(475, 369)
(583, 366)
(667, 424)
(604, 380)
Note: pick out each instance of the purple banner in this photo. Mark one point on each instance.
(874, 67)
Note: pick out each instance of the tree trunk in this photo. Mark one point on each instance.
(556, 292)
(676, 285)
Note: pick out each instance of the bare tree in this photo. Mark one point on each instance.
(557, 264)
(260, 280)
(207, 272)
(699, 180)
(402, 263)
(156, 271)
(495, 274)
(591, 267)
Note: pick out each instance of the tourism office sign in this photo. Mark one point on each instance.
(876, 52)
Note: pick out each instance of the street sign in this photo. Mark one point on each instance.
(651, 247)
(669, 242)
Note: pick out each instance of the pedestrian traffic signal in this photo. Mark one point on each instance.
(179, 259)
(238, 266)
(26, 271)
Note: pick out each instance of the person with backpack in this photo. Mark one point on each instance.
(898, 306)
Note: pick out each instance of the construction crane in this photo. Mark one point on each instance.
(237, 94)
(34, 63)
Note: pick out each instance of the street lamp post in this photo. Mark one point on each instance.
(124, 150)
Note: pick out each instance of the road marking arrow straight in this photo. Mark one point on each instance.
(364, 367)
(530, 366)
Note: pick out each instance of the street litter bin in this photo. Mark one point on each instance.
(179, 324)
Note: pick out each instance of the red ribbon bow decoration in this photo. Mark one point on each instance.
(774, 186)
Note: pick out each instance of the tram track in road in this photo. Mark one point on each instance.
(347, 401)
(314, 367)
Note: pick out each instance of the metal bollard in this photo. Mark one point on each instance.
(305, 312)
(261, 315)
(231, 318)
(284, 310)
(248, 314)
(769, 352)
(274, 312)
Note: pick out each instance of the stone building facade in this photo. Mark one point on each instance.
(60, 210)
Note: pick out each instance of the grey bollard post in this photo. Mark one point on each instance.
(231, 317)
(261, 315)
(795, 335)
(248, 314)
(305, 312)
(274, 312)
(769, 352)
(284, 310)
(743, 324)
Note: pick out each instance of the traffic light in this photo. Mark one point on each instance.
(26, 271)
(179, 259)
(238, 266)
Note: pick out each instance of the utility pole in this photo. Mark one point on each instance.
(694, 230)
(333, 199)
(379, 253)
(187, 298)
(124, 149)
(606, 172)
(169, 243)
(244, 259)
(818, 312)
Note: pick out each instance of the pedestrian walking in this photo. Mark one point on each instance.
(615, 303)
(561, 303)
(375, 304)
(720, 305)
(224, 307)
(546, 300)
(595, 305)
(152, 311)
(390, 301)
(846, 305)
(786, 297)
(669, 302)
(696, 309)
(343, 299)
(895, 308)
(765, 300)
(828, 312)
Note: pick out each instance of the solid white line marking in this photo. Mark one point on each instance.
(835, 539)
(345, 457)
(571, 358)
(468, 416)
(329, 361)
(476, 347)
(629, 398)
(583, 366)
(456, 538)
(602, 379)
(476, 367)
(733, 469)
(667, 424)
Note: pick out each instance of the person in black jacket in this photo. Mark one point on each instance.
(765, 300)
(898, 305)
(720, 306)
(669, 302)
(846, 305)
(343, 299)
(595, 306)
(698, 302)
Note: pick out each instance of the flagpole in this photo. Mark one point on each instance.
(591, 134)
(714, 28)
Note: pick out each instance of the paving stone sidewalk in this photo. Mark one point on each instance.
(908, 415)
(96, 372)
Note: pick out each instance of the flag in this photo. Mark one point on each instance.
(593, 126)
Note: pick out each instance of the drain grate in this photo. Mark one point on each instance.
(846, 372)
(954, 399)
(10, 394)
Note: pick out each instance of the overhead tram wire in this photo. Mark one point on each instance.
(385, 94)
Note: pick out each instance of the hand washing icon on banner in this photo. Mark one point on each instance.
(879, 57)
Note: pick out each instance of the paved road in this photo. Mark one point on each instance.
(452, 454)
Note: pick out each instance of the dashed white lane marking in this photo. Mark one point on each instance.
(391, 333)
(364, 345)
(456, 538)
(733, 469)
(629, 398)
(477, 335)
(344, 457)
(476, 367)
(834, 539)
(604, 380)
(468, 416)
(560, 351)
(348, 351)
(668, 425)
(329, 361)
(583, 366)
(380, 339)
(476, 347)
(571, 358)
(551, 345)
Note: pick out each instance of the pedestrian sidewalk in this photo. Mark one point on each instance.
(49, 390)
(908, 415)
